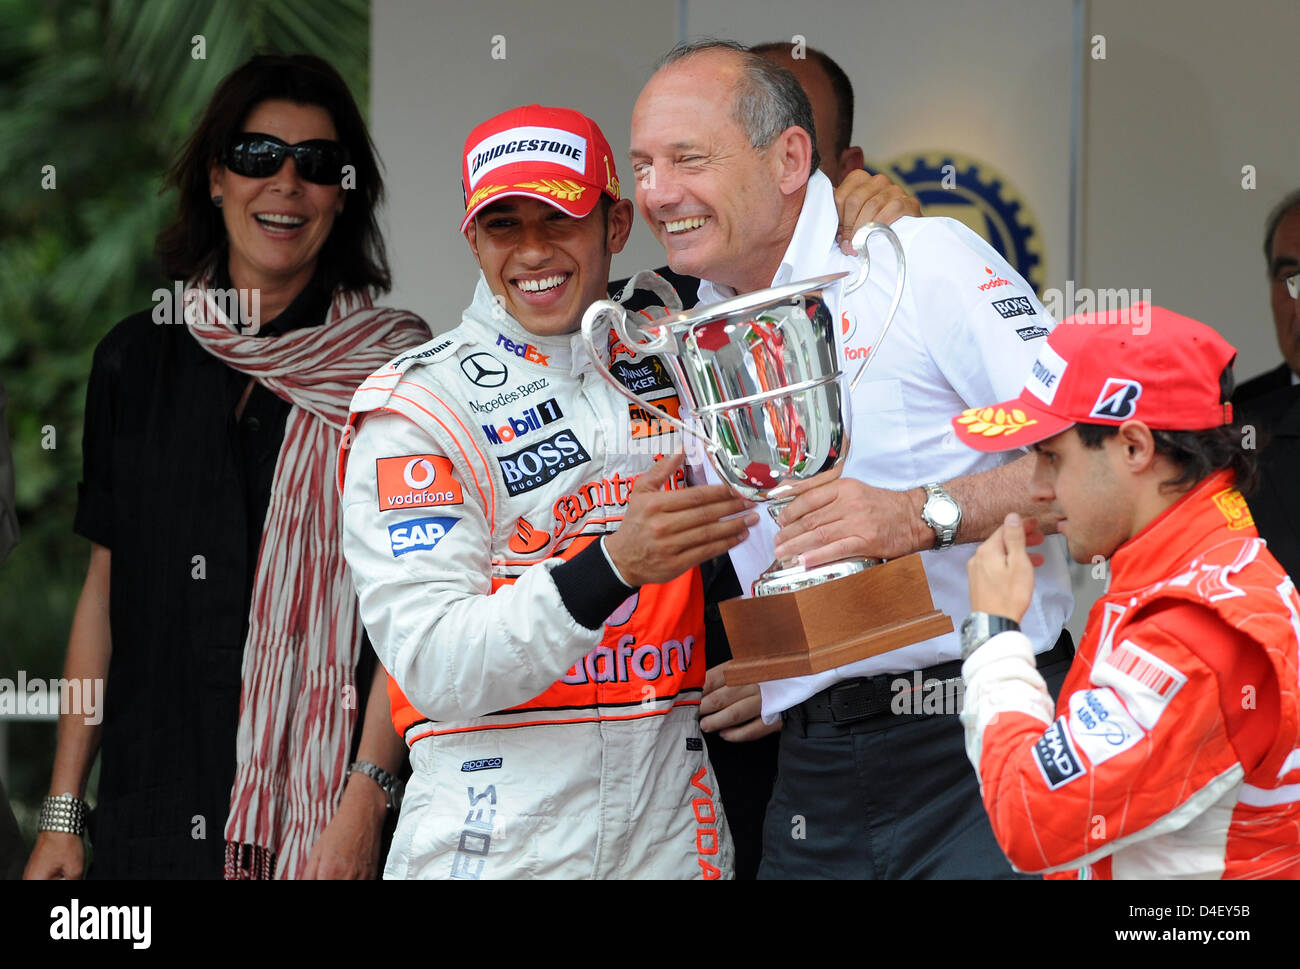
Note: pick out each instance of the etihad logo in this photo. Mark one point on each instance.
(526, 540)
(525, 351)
(534, 419)
(416, 481)
(536, 143)
(611, 492)
(995, 282)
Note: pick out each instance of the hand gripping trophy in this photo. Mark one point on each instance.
(761, 375)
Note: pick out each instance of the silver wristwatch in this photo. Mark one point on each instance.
(942, 513)
(390, 785)
(980, 627)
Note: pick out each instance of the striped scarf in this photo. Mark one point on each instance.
(298, 706)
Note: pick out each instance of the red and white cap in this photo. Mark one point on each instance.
(1142, 363)
(556, 155)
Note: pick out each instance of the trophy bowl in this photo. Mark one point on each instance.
(761, 374)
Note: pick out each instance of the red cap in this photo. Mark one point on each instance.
(1142, 363)
(553, 154)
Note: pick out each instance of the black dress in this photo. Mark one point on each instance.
(178, 490)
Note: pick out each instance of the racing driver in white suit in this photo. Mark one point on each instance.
(541, 618)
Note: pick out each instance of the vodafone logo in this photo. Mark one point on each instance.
(419, 474)
(856, 353)
(993, 283)
(847, 326)
(416, 481)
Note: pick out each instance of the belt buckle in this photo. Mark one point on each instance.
(859, 707)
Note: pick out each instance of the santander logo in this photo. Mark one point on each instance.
(995, 282)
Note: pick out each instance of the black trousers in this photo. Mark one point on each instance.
(892, 797)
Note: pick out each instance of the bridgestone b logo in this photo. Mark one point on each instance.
(534, 466)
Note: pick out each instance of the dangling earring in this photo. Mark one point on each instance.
(217, 200)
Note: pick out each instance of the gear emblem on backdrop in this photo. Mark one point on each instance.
(979, 196)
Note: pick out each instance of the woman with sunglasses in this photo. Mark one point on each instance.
(217, 609)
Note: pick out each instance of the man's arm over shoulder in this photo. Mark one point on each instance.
(1142, 750)
(456, 647)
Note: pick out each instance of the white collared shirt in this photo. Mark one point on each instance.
(967, 332)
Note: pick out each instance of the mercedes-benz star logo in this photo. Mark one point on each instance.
(484, 370)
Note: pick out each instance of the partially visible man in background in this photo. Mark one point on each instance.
(1271, 402)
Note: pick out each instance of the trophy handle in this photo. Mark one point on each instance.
(658, 342)
(860, 246)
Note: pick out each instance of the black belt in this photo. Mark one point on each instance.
(868, 697)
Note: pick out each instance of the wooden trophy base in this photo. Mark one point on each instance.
(832, 623)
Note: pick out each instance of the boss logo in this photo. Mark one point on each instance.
(534, 466)
(1014, 306)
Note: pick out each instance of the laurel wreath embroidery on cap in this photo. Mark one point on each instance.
(562, 188)
(483, 193)
(991, 423)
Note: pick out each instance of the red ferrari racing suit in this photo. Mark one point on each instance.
(550, 711)
(1174, 751)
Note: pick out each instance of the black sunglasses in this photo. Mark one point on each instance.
(255, 155)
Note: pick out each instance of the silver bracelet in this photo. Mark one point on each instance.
(64, 813)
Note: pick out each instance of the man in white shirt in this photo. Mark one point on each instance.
(872, 780)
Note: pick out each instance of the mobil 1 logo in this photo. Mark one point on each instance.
(533, 419)
(540, 462)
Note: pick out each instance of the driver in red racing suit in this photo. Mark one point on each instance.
(1174, 751)
(526, 580)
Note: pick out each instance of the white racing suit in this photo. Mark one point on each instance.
(551, 712)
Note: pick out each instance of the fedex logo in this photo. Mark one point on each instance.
(418, 534)
(525, 351)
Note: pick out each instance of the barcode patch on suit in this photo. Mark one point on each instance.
(694, 743)
(1148, 670)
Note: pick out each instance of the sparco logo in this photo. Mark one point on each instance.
(534, 466)
(484, 370)
(1014, 306)
(533, 419)
(525, 351)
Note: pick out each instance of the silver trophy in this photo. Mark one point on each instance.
(761, 373)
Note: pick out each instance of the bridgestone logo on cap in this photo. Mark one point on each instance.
(532, 143)
(1046, 374)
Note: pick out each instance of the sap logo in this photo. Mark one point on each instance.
(418, 534)
(1014, 306)
(1118, 399)
(525, 351)
(486, 763)
(533, 420)
(533, 466)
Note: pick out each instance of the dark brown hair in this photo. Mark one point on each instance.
(353, 257)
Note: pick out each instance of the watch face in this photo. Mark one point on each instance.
(942, 511)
